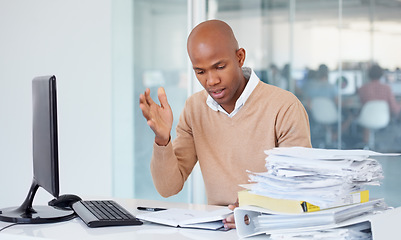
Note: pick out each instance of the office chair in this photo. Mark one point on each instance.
(324, 112)
(374, 115)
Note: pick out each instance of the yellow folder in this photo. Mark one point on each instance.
(293, 206)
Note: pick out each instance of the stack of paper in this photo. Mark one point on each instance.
(306, 193)
(318, 176)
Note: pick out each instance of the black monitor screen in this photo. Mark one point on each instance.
(44, 132)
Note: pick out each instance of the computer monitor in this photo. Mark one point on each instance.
(45, 158)
(351, 80)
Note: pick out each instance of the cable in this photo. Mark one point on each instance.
(8, 226)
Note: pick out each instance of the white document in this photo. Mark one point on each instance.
(316, 153)
(187, 218)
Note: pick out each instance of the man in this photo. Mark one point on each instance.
(227, 126)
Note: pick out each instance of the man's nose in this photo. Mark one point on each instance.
(212, 78)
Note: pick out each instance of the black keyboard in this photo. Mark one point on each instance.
(104, 213)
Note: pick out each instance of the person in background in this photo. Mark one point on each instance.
(227, 126)
(317, 89)
(276, 78)
(375, 90)
(318, 86)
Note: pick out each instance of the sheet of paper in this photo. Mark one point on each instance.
(316, 153)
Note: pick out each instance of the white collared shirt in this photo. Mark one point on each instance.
(250, 86)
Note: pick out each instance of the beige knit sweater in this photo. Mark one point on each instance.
(227, 147)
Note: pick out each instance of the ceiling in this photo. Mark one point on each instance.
(380, 10)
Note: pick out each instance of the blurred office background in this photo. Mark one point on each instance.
(305, 47)
(105, 53)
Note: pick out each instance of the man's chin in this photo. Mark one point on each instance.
(220, 101)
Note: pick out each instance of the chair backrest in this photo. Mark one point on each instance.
(374, 114)
(324, 110)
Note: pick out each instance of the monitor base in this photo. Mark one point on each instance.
(39, 214)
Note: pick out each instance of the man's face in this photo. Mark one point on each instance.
(218, 69)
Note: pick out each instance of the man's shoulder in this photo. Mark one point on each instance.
(198, 97)
(274, 92)
(196, 101)
(273, 99)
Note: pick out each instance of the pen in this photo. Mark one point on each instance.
(150, 209)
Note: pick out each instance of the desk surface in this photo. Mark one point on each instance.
(384, 226)
(76, 229)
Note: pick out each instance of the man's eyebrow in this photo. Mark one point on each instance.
(197, 68)
(218, 63)
(213, 65)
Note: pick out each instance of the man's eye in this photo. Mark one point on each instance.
(199, 72)
(221, 67)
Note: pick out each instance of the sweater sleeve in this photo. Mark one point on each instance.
(292, 127)
(171, 165)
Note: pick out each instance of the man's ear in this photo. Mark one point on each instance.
(241, 56)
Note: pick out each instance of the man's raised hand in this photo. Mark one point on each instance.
(159, 118)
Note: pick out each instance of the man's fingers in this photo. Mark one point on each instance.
(161, 94)
(159, 118)
(229, 222)
(229, 226)
(144, 106)
(230, 219)
(234, 205)
(149, 100)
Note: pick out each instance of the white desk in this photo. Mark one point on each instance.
(385, 225)
(76, 229)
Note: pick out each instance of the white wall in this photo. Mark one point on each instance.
(72, 40)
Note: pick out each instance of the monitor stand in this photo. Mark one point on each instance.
(34, 215)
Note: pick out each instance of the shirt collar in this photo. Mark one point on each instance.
(253, 80)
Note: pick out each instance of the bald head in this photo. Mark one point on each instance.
(217, 62)
(213, 34)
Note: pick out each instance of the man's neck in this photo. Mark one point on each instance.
(231, 106)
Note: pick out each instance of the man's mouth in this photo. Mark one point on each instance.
(217, 93)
